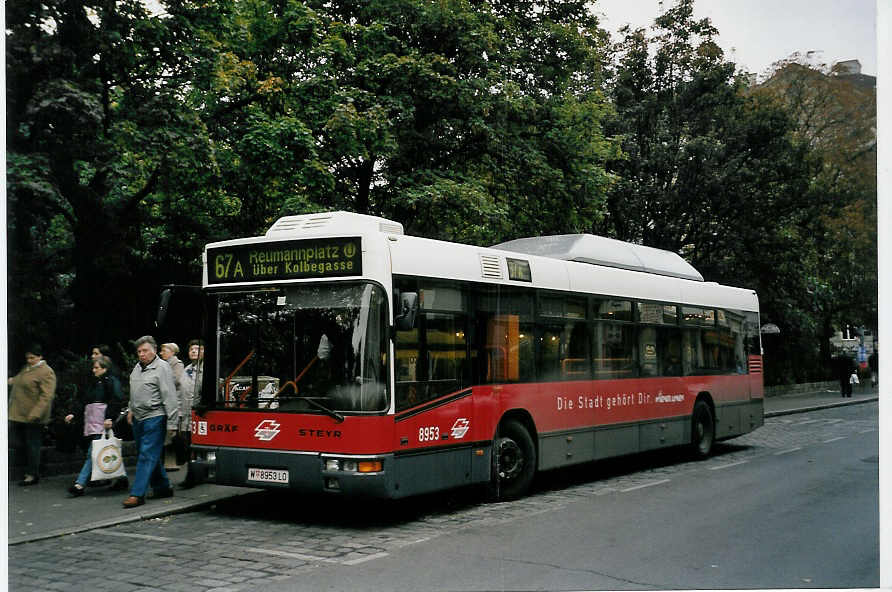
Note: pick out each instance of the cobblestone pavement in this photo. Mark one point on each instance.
(263, 538)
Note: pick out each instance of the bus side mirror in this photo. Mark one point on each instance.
(408, 309)
(163, 305)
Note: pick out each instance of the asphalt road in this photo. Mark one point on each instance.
(792, 505)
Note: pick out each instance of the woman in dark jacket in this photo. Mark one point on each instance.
(104, 401)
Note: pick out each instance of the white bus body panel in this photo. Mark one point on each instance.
(386, 251)
(413, 256)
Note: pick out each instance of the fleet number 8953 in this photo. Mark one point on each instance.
(428, 434)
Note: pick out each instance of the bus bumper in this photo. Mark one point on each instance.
(303, 472)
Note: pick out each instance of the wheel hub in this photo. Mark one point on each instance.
(510, 459)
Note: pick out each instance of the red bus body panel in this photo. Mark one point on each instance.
(472, 415)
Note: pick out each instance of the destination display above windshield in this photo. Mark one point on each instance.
(285, 260)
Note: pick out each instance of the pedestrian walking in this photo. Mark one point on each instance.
(192, 378)
(192, 387)
(844, 366)
(104, 401)
(169, 353)
(30, 405)
(873, 362)
(97, 351)
(153, 407)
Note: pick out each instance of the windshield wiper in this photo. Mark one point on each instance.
(329, 412)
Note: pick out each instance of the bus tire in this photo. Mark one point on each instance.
(702, 430)
(514, 461)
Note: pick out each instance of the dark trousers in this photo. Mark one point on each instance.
(26, 439)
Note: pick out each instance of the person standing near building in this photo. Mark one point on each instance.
(153, 411)
(30, 404)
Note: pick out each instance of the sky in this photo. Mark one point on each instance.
(764, 31)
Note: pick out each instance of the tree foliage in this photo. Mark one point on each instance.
(136, 138)
(835, 115)
(101, 150)
(432, 113)
(732, 179)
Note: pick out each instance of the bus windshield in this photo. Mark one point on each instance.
(309, 348)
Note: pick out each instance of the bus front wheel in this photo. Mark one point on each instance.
(702, 430)
(514, 461)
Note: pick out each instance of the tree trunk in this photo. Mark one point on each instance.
(364, 185)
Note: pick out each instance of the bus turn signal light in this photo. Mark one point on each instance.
(370, 466)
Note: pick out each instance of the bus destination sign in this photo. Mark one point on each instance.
(285, 260)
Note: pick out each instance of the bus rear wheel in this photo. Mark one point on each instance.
(702, 430)
(514, 461)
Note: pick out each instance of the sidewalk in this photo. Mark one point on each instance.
(814, 400)
(45, 511)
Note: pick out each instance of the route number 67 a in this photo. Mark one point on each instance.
(428, 434)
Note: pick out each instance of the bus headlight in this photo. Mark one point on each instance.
(352, 465)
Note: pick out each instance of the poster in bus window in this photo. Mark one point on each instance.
(650, 312)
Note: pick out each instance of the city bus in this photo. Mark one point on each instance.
(343, 356)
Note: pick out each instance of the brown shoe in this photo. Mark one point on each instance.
(133, 501)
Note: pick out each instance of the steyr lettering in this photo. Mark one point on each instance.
(304, 432)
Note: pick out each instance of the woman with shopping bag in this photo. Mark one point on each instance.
(104, 401)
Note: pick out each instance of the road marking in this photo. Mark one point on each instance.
(788, 451)
(734, 464)
(643, 485)
(364, 559)
(834, 439)
(301, 556)
(867, 431)
(808, 421)
(133, 535)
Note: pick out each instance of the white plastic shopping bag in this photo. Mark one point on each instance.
(106, 456)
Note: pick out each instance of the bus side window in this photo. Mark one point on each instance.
(615, 347)
(407, 353)
(670, 352)
(447, 358)
(507, 349)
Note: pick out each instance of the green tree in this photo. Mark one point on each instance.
(433, 113)
(98, 139)
(136, 138)
(835, 114)
(715, 174)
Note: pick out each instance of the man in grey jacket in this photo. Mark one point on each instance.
(154, 409)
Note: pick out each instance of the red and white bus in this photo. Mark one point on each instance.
(346, 357)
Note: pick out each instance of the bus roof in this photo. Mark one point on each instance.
(574, 263)
(423, 257)
(608, 252)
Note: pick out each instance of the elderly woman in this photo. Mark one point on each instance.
(104, 401)
(169, 353)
